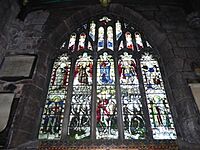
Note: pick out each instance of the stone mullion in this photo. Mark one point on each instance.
(144, 102)
(93, 100)
(68, 102)
(115, 42)
(118, 99)
(105, 37)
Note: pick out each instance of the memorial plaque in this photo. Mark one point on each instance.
(6, 100)
(17, 67)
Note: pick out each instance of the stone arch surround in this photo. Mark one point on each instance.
(184, 110)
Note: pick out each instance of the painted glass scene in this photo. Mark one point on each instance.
(106, 109)
(53, 114)
(92, 30)
(80, 111)
(110, 88)
(118, 29)
(100, 38)
(110, 44)
(72, 41)
(138, 40)
(129, 41)
(134, 125)
(159, 112)
(81, 44)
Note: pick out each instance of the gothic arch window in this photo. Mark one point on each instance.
(107, 84)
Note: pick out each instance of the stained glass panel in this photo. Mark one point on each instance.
(148, 45)
(72, 41)
(110, 37)
(160, 116)
(118, 30)
(63, 45)
(102, 32)
(101, 38)
(81, 44)
(92, 30)
(80, 111)
(106, 109)
(134, 126)
(121, 45)
(52, 118)
(89, 45)
(129, 42)
(104, 20)
(138, 40)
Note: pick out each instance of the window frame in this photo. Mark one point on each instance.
(115, 53)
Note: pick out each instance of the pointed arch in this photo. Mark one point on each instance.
(114, 72)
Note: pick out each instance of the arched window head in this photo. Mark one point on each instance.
(112, 88)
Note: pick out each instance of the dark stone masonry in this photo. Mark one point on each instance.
(42, 32)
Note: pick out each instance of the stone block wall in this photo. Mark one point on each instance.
(22, 37)
(41, 34)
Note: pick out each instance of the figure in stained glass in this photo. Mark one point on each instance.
(129, 43)
(106, 112)
(127, 68)
(138, 40)
(81, 44)
(105, 68)
(52, 118)
(83, 70)
(52, 121)
(72, 41)
(134, 126)
(92, 30)
(118, 30)
(159, 113)
(101, 38)
(132, 98)
(79, 120)
(110, 37)
(60, 73)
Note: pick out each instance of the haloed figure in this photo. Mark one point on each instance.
(83, 70)
(105, 68)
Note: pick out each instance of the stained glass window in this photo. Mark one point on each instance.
(107, 85)
(134, 124)
(159, 111)
(106, 110)
(53, 115)
(80, 111)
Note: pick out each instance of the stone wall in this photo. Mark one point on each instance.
(42, 32)
(21, 37)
